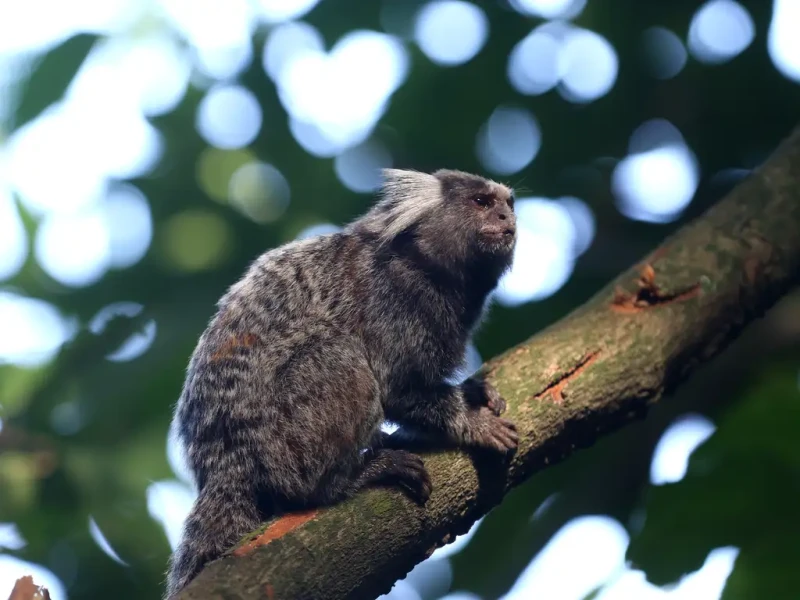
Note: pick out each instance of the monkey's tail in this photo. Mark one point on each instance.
(220, 517)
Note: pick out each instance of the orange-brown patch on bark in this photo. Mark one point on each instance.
(556, 388)
(278, 529)
(649, 295)
(227, 348)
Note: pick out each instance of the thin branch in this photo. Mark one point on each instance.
(598, 368)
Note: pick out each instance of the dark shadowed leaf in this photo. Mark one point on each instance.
(741, 489)
(50, 78)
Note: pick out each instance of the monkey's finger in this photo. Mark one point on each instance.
(505, 442)
(507, 437)
(508, 424)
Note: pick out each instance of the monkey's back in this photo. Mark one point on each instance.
(279, 389)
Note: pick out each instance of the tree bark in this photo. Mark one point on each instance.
(594, 370)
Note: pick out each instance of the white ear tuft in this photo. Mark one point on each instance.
(407, 195)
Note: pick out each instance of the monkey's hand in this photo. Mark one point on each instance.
(478, 392)
(486, 430)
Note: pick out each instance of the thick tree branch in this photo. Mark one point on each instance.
(598, 368)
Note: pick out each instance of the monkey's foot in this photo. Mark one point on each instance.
(486, 430)
(401, 468)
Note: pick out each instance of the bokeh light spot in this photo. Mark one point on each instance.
(720, 30)
(151, 72)
(286, 42)
(547, 245)
(451, 32)
(275, 11)
(224, 63)
(138, 342)
(176, 455)
(550, 9)
(102, 542)
(317, 230)
(259, 191)
(33, 330)
(215, 168)
(129, 224)
(533, 65)
(588, 65)
(429, 579)
(10, 535)
(663, 52)
(658, 179)
(359, 168)
(216, 25)
(229, 116)
(583, 221)
(169, 503)
(672, 453)
(458, 544)
(196, 240)
(783, 43)
(74, 249)
(596, 543)
(335, 99)
(509, 141)
(68, 418)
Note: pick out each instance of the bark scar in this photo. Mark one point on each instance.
(649, 295)
(556, 388)
(277, 530)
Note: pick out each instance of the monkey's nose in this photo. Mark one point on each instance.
(509, 231)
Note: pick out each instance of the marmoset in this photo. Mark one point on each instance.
(325, 339)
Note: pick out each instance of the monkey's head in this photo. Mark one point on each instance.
(456, 219)
(480, 211)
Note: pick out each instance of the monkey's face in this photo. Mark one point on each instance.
(494, 218)
(483, 211)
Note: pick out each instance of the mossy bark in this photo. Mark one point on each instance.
(591, 372)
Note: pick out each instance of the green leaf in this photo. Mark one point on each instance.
(50, 78)
(741, 489)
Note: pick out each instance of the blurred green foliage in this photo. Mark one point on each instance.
(741, 488)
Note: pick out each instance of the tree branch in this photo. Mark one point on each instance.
(593, 371)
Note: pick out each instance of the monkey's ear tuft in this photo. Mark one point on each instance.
(404, 176)
(407, 184)
(389, 174)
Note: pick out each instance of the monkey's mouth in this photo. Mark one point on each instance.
(498, 239)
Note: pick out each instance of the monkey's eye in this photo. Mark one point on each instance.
(511, 202)
(483, 201)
